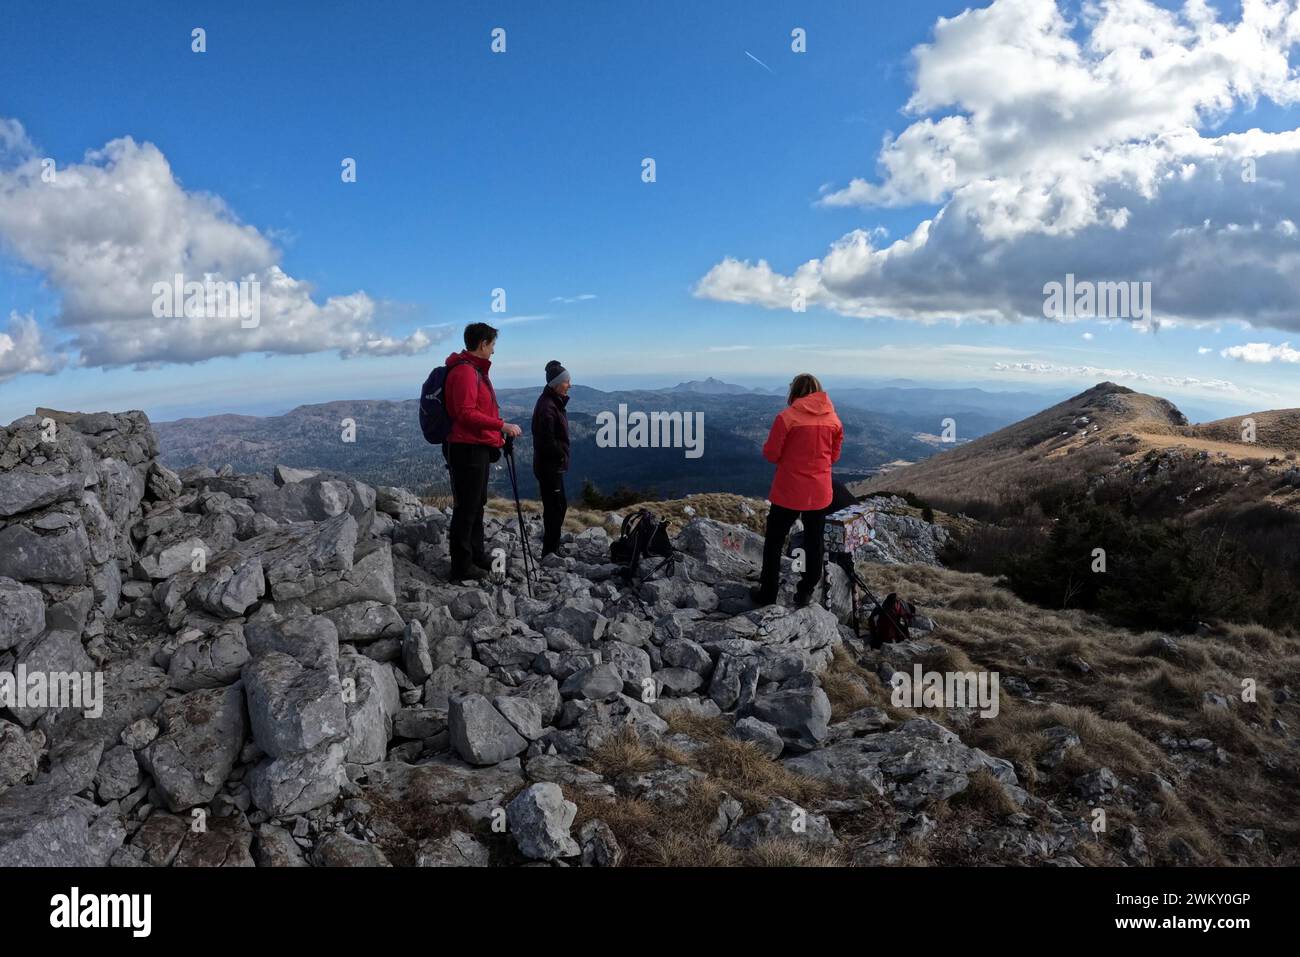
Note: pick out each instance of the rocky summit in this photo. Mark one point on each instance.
(288, 679)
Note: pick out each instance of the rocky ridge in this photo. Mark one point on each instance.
(290, 680)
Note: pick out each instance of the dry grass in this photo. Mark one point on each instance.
(697, 726)
(1139, 691)
(402, 825)
(752, 778)
(985, 793)
(628, 753)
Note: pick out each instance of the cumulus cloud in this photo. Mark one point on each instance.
(1262, 352)
(106, 230)
(1051, 147)
(22, 349)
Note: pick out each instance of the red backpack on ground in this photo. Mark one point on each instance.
(890, 621)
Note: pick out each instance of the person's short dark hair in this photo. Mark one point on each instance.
(477, 333)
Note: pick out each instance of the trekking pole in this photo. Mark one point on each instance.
(519, 511)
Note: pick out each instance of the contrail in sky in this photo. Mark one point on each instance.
(759, 62)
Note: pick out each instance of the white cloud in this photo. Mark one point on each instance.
(581, 297)
(1056, 148)
(515, 320)
(1057, 370)
(106, 229)
(1204, 351)
(1087, 337)
(1261, 352)
(21, 348)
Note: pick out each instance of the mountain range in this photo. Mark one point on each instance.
(881, 426)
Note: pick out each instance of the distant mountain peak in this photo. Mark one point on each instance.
(710, 386)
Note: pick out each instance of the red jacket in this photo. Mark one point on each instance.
(472, 402)
(804, 441)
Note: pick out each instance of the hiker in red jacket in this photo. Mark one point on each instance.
(477, 435)
(804, 441)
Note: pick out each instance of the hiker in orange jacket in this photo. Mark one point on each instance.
(805, 439)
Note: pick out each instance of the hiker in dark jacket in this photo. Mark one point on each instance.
(551, 453)
(477, 435)
(805, 439)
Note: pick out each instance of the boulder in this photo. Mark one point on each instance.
(298, 782)
(118, 774)
(22, 613)
(201, 736)
(338, 849)
(160, 837)
(762, 735)
(57, 558)
(594, 683)
(209, 661)
(417, 653)
(292, 708)
(539, 819)
(457, 849)
(44, 826)
(781, 820)
(733, 550)
(275, 847)
(480, 734)
(24, 490)
(523, 715)
(229, 591)
(372, 701)
(800, 713)
(600, 848)
(18, 755)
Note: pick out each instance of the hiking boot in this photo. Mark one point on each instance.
(801, 600)
(760, 597)
(471, 573)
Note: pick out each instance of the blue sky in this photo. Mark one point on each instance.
(522, 171)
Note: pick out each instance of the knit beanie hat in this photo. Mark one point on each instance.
(556, 374)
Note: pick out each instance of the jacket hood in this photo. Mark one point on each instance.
(819, 403)
(483, 364)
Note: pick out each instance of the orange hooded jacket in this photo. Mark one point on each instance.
(805, 439)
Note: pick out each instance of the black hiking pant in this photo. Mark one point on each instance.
(779, 522)
(550, 485)
(468, 466)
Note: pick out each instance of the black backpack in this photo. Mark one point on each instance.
(642, 534)
(890, 621)
(435, 420)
